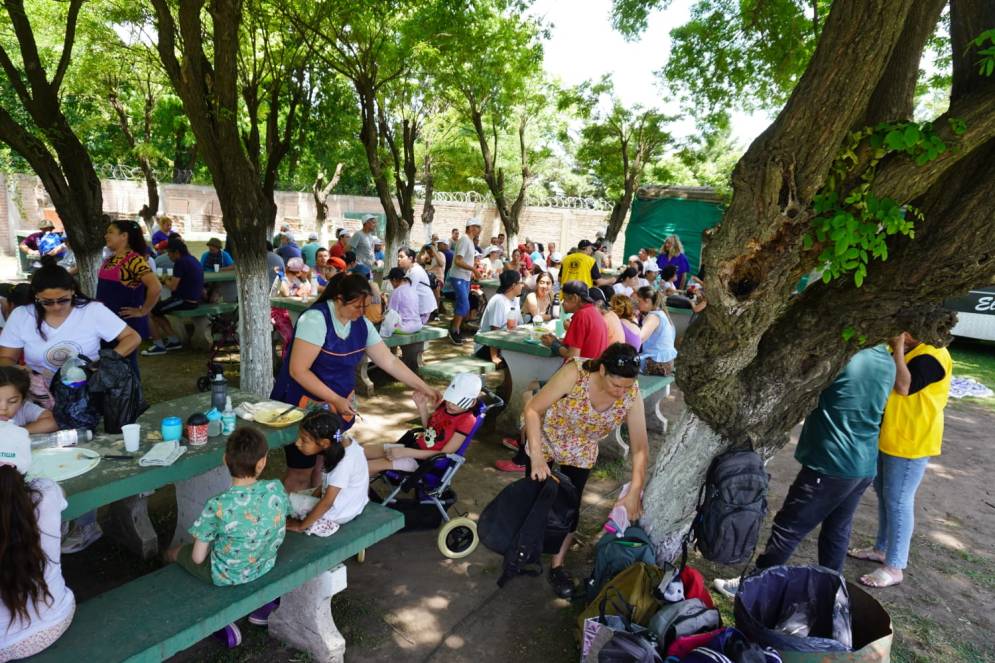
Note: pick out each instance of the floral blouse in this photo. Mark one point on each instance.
(572, 428)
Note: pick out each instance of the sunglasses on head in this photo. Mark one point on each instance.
(626, 362)
(54, 302)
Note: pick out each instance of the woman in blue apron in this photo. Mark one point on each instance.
(126, 283)
(319, 365)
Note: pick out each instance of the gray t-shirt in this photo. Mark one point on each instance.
(362, 244)
(466, 251)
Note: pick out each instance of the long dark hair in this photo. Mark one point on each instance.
(15, 377)
(618, 359)
(22, 561)
(136, 240)
(322, 425)
(627, 273)
(347, 287)
(53, 276)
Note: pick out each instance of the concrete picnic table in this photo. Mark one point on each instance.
(412, 346)
(124, 485)
(489, 287)
(210, 276)
(294, 305)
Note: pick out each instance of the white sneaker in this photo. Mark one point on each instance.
(727, 587)
(81, 538)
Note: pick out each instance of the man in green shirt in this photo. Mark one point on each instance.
(309, 250)
(838, 449)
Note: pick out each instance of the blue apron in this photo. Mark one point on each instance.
(335, 365)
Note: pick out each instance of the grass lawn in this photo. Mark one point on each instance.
(975, 359)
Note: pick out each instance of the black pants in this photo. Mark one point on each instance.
(815, 498)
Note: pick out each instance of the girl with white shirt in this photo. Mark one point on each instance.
(36, 606)
(627, 282)
(406, 260)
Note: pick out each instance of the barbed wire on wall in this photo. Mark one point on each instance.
(563, 202)
(116, 171)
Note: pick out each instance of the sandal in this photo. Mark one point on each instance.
(867, 554)
(880, 578)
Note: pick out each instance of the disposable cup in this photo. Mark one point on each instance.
(132, 435)
(217, 268)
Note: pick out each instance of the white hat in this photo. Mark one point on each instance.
(556, 257)
(463, 390)
(442, 241)
(341, 231)
(15, 446)
(651, 266)
(369, 217)
(632, 257)
(312, 235)
(473, 222)
(492, 249)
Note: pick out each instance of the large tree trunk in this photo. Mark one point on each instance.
(755, 361)
(620, 210)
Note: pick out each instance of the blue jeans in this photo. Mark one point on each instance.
(461, 294)
(815, 499)
(896, 485)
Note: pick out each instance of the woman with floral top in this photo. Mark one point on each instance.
(580, 405)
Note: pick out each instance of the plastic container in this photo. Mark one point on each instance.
(197, 425)
(213, 422)
(60, 438)
(172, 429)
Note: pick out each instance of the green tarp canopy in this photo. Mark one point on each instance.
(652, 220)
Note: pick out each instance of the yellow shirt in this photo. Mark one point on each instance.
(577, 267)
(913, 425)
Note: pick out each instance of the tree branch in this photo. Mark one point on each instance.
(67, 45)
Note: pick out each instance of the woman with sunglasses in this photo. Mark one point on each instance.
(580, 405)
(319, 365)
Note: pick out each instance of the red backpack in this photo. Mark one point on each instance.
(694, 586)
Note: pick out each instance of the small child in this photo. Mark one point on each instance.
(241, 529)
(14, 406)
(345, 489)
(444, 430)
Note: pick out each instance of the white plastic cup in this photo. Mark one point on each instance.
(217, 268)
(132, 436)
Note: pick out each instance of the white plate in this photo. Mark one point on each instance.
(61, 463)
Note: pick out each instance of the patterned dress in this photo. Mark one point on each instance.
(572, 428)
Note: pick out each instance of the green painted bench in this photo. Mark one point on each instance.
(412, 347)
(445, 369)
(653, 389)
(167, 611)
(201, 316)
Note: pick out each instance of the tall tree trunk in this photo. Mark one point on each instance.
(320, 191)
(494, 176)
(753, 364)
(428, 209)
(620, 209)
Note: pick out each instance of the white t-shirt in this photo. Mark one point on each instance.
(79, 334)
(497, 313)
(426, 297)
(352, 478)
(362, 246)
(27, 414)
(49, 612)
(621, 289)
(466, 251)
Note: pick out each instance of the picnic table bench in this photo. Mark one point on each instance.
(157, 615)
(412, 347)
(201, 338)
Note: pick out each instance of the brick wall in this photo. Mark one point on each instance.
(196, 211)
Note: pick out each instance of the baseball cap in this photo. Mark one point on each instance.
(443, 242)
(463, 390)
(396, 274)
(577, 288)
(369, 217)
(337, 262)
(473, 222)
(312, 235)
(556, 257)
(340, 232)
(492, 249)
(508, 279)
(650, 266)
(295, 265)
(215, 242)
(15, 447)
(46, 223)
(362, 270)
(583, 244)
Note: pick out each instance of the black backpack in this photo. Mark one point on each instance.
(731, 507)
(525, 520)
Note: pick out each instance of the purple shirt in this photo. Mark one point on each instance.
(404, 300)
(680, 262)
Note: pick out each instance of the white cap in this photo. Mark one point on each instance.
(463, 390)
(312, 235)
(633, 257)
(492, 249)
(556, 257)
(369, 217)
(651, 266)
(341, 231)
(473, 222)
(15, 447)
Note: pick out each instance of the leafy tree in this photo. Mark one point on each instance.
(842, 167)
(616, 144)
(704, 159)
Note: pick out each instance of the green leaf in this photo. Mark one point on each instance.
(912, 135)
(848, 333)
(895, 140)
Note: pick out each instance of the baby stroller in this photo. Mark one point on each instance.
(425, 495)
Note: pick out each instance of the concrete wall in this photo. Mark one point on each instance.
(198, 214)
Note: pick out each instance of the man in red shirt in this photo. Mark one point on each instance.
(340, 247)
(587, 335)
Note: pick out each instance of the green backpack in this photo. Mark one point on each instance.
(636, 585)
(613, 554)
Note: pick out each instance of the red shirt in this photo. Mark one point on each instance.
(445, 426)
(337, 251)
(588, 332)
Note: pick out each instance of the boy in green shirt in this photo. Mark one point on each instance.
(241, 529)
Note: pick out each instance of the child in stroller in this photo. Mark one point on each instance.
(425, 461)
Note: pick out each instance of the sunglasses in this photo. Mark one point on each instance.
(54, 302)
(626, 362)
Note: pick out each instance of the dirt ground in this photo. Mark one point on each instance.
(408, 603)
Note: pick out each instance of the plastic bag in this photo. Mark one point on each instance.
(116, 391)
(73, 406)
(795, 608)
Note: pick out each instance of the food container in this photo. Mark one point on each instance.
(172, 429)
(197, 425)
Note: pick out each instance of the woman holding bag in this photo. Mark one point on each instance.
(581, 404)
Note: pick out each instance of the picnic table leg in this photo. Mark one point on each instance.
(130, 525)
(364, 385)
(524, 368)
(179, 326)
(191, 495)
(202, 338)
(304, 619)
(411, 355)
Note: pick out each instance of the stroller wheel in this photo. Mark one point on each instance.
(458, 538)
(203, 383)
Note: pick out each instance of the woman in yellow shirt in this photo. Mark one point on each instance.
(911, 433)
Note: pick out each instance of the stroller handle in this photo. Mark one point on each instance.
(493, 398)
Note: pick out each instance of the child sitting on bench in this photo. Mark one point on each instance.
(239, 532)
(443, 432)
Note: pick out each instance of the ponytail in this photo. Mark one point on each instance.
(322, 425)
(618, 359)
(22, 561)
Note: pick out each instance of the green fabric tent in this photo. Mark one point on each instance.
(653, 219)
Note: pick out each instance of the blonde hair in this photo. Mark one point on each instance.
(622, 306)
(676, 247)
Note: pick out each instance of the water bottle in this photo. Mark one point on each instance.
(72, 373)
(556, 306)
(228, 418)
(219, 391)
(60, 438)
(274, 290)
